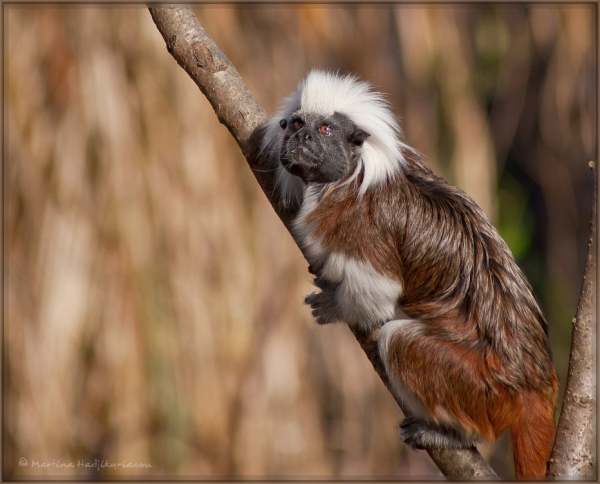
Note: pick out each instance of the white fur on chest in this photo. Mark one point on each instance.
(364, 297)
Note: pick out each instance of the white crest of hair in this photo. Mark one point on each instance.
(326, 93)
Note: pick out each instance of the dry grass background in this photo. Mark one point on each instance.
(152, 298)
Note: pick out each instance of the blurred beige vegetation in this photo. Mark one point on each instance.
(153, 300)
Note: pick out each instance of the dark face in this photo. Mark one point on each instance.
(320, 149)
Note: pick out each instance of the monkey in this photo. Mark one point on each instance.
(395, 248)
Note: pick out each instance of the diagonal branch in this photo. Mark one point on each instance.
(237, 109)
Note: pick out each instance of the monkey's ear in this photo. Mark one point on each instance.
(283, 123)
(358, 137)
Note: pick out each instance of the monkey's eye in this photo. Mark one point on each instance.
(297, 124)
(325, 129)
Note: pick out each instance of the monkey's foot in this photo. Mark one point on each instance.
(422, 434)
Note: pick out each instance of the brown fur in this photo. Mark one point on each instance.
(481, 351)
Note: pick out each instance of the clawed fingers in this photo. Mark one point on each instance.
(313, 299)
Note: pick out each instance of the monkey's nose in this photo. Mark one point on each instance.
(307, 137)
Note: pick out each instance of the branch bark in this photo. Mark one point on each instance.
(237, 109)
(574, 453)
(235, 106)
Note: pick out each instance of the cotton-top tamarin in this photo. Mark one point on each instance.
(395, 247)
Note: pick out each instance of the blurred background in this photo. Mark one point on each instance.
(153, 311)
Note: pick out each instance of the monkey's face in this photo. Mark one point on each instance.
(320, 149)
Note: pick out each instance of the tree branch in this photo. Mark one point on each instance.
(574, 453)
(237, 109)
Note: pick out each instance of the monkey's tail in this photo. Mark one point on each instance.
(532, 436)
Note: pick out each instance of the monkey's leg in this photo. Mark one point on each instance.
(437, 381)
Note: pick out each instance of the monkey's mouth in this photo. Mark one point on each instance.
(294, 169)
(299, 161)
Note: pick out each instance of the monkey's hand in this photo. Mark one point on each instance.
(323, 304)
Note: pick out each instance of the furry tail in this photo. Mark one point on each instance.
(532, 436)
